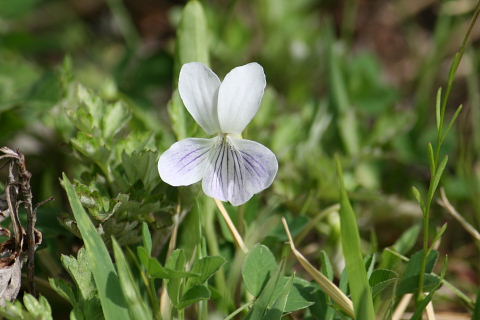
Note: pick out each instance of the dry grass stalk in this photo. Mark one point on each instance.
(328, 286)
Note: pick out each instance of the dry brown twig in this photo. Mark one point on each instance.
(443, 201)
(22, 244)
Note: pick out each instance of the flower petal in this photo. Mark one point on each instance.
(198, 88)
(184, 162)
(237, 169)
(239, 97)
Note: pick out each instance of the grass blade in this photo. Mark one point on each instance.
(358, 280)
(136, 304)
(104, 274)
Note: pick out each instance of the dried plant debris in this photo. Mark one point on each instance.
(21, 242)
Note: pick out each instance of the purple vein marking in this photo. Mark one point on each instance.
(192, 160)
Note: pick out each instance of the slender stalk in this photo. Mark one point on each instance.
(149, 284)
(214, 249)
(441, 133)
(430, 312)
(236, 235)
(181, 314)
(234, 313)
(454, 213)
(165, 304)
(402, 306)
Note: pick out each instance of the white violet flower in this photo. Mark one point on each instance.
(231, 168)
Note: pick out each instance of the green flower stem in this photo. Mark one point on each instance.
(214, 249)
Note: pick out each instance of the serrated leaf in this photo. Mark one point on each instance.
(258, 267)
(79, 270)
(39, 309)
(141, 166)
(64, 289)
(115, 118)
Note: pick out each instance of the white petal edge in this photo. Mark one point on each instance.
(198, 87)
(184, 162)
(239, 97)
(237, 169)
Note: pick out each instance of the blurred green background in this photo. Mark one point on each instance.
(357, 78)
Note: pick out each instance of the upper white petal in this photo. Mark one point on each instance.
(198, 87)
(185, 161)
(239, 97)
(237, 169)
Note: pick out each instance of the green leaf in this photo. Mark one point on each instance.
(39, 309)
(300, 295)
(414, 266)
(79, 270)
(417, 195)
(178, 117)
(381, 275)
(87, 310)
(13, 311)
(141, 165)
(176, 261)
(403, 245)
(322, 309)
(147, 238)
(327, 268)
(206, 267)
(279, 304)
(265, 299)
(258, 267)
(115, 119)
(410, 284)
(436, 179)
(192, 35)
(357, 275)
(476, 311)
(136, 304)
(438, 103)
(194, 294)
(382, 279)
(64, 289)
(156, 270)
(104, 274)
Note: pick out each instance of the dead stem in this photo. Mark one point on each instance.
(231, 226)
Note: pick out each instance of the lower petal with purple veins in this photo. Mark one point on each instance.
(238, 169)
(185, 161)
